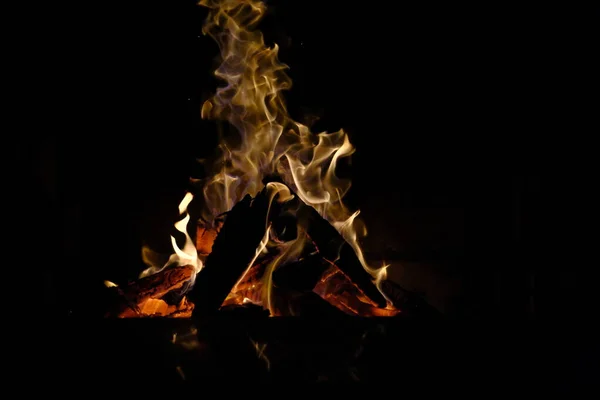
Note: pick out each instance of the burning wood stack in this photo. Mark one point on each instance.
(326, 277)
(287, 246)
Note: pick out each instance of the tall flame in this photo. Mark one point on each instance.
(265, 139)
(186, 256)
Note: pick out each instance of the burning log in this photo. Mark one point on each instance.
(248, 290)
(338, 290)
(145, 297)
(334, 248)
(160, 308)
(233, 251)
(157, 285)
(206, 235)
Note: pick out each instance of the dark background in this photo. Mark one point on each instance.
(456, 112)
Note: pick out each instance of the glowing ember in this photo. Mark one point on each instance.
(264, 141)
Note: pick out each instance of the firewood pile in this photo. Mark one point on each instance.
(326, 278)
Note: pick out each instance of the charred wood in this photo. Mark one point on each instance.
(160, 308)
(301, 275)
(206, 235)
(158, 285)
(232, 252)
(333, 247)
(249, 288)
(150, 295)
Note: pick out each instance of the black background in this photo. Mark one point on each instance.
(457, 113)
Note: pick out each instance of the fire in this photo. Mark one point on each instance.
(186, 256)
(267, 140)
(264, 141)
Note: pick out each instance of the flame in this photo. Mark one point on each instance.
(288, 251)
(186, 256)
(265, 139)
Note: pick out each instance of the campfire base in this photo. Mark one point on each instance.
(396, 353)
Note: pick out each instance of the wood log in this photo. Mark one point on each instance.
(160, 308)
(158, 285)
(301, 275)
(232, 252)
(149, 296)
(337, 289)
(255, 273)
(334, 247)
(249, 287)
(206, 235)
